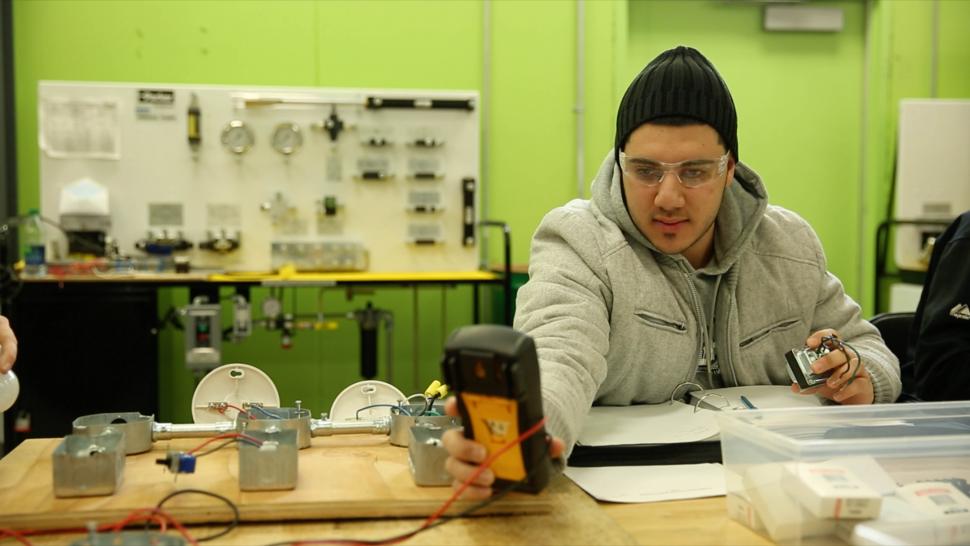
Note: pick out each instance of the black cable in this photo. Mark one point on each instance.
(834, 343)
(430, 405)
(858, 358)
(440, 521)
(406, 535)
(392, 406)
(235, 510)
(170, 317)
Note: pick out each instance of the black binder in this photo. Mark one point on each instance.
(646, 454)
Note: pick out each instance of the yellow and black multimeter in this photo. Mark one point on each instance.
(494, 372)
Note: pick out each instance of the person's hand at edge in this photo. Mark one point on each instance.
(8, 345)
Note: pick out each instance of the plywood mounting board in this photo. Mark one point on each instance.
(348, 477)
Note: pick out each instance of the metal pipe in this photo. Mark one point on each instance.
(864, 212)
(169, 431)
(485, 112)
(580, 108)
(935, 49)
(325, 427)
(389, 344)
(416, 340)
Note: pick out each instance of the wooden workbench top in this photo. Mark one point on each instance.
(357, 468)
(355, 477)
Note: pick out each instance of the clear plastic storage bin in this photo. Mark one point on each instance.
(884, 474)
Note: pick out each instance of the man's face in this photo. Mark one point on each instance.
(676, 219)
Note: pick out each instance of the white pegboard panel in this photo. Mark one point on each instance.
(397, 169)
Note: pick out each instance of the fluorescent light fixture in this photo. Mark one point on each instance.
(803, 18)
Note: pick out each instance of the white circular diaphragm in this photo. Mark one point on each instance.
(354, 401)
(9, 389)
(235, 384)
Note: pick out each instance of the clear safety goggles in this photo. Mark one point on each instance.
(691, 172)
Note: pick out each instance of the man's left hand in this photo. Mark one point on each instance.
(849, 382)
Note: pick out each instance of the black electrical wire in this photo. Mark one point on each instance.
(406, 535)
(403, 536)
(170, 317)
(393, 407)
(430, 405)
(834, 343)
(235, 510)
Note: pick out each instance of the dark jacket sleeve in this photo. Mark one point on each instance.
(941, 327)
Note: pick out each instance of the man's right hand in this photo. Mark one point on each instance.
(465, 455)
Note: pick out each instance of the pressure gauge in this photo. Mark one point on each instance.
(237, 137)
(287, 138)
(271, 307)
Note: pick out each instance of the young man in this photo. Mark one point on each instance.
(678, 270)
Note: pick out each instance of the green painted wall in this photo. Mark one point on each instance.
(901, 41)
(800, 98)
(387, 43)
(321, 363)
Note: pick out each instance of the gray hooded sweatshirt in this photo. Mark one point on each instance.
(616, 322)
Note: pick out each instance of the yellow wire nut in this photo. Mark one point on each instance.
(432, 388)
(442, 391)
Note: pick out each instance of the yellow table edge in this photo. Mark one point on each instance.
(408, 276)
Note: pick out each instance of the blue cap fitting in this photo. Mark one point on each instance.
(186, 463)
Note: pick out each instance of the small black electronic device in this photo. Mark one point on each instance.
(494, 372)
(800, 366)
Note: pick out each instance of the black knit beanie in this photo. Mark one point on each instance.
(679, 82)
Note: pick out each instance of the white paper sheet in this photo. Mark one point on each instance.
(666, 423)
(80, 128)
(649, 483)
(762, 396)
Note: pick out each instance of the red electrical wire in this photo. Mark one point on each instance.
(149, 514)
(444, 507)
(140, 514)
(225, 405)
(246, 437)
(156, 515)
(160, 516)
(481, 468)
(19, 537)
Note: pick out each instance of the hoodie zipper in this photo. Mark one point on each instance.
(726, 356)
(702, 357)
